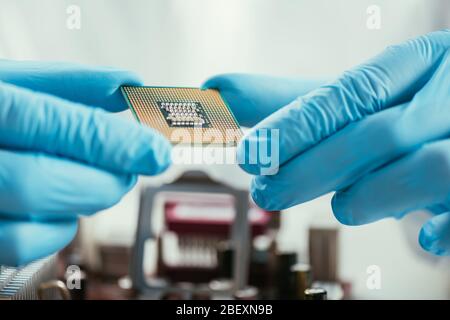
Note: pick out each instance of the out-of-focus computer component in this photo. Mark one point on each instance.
(194, 240)
(315, 294)
(32, 282)
(323, 253)
(207, 235)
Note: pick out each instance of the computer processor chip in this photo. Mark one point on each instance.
(184, 115)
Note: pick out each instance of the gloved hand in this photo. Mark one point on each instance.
(63, 154)
(254, 97)
(378, 136)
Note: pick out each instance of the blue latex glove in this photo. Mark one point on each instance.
(63, 154)
(378, 136)
(254, 97)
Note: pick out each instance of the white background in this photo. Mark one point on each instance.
(183, 42)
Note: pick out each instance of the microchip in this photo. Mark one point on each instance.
(184, 115)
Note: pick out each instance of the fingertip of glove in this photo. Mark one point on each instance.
(115, 79)
(219, 81)
(341, 210)
(258, 197)
(213, 83)
(156, 153)
(111, 190)
(118, 187)
(246, 160)
(120, 77)
(260, 194)
(127, 147)
(424, 239)
(258, 155)
(130, 181)
(430, 242)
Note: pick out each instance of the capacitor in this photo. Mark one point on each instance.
(301, 273)
(315, 294)
(225, 255)
(247, 293)
(285, 279)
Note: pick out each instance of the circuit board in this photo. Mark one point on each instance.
(184, 115)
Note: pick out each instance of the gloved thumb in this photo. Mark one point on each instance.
(34, 121)
(435, 235)
(382, 82)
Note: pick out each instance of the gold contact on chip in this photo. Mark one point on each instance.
(184, 115)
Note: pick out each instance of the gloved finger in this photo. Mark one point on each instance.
(41, 122)
(331, 165)
(21, 242)
(385, 81)
(253, 97)
(414, 182)
(434, 236)
(56, 188)
(90, 85)
(361, 147)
